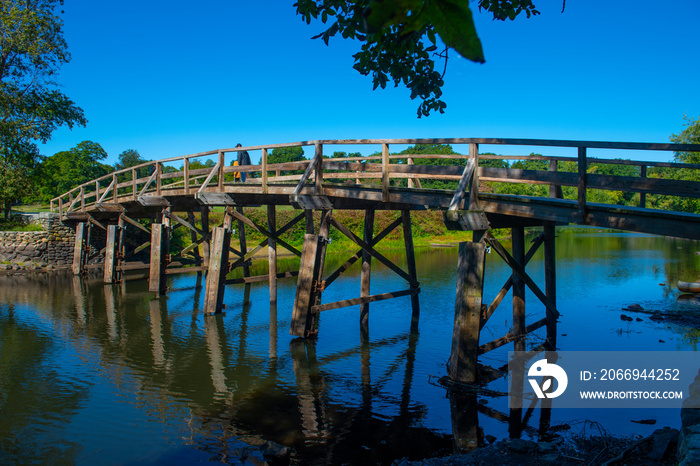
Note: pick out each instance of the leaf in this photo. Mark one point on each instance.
(454, 23)
(546, 385)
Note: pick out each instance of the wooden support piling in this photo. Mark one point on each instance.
(242, 241)
(518, 237)
(79, 249)
(159, 250)
(366, 270)
(272, 252)
(218, 268)
(411, 264)
(310, 284)
(466, 329)
(111, 254)
(307, 284)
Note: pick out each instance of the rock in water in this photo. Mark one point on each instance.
(662, 441)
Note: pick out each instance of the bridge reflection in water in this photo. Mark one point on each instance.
(241, 379)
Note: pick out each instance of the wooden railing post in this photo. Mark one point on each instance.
(474, 190)
(134, 193)
(159, 181)
(186, 173)
(115, 194)
(82, 198)
(643, 196)
(555, 191)
(263, 162)
(410, 179)
(221, 170)
(386, 181)
(582, 183)
(97, 191)
(318, 174)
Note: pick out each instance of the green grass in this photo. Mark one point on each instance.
(32, 208)
(427, 229)
(15, 225)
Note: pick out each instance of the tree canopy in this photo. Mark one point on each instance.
(286, 154)
(690, 135)
(67, 169)
(399, 38)
(32, 49)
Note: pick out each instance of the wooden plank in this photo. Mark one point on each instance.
(366, 269)
(261, 278)
(179, 270)
(520, 176)
(79, 249)
(363, 300)
(214, 171)
(301, 325)
(466, 220)
(474, 186)
(214, 199)
(644, 185)
(318, 171)
(518, 240)
(340, 270)
(509, 283)
(344, 230)
(518, 269)
(264, 231)
(313, 202)
(218, 268)
(386, 177)
(305, 177)
(467, 176)
(136, 224)
(411, 265)
(465, 334)
(263, 169)
(153, 201)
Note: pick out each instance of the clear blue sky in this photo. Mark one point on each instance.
(170, 78)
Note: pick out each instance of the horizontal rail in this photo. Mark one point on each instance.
(388, 172)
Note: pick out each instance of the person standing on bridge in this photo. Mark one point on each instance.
(243, 159)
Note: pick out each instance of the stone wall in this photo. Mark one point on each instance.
(38, 249)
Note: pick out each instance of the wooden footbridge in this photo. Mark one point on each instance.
(176, 196)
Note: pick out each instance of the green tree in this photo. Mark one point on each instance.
(400, 37)
(286, 154)
(32, 49)
(690, 135)
(131, 158)
(67, 169)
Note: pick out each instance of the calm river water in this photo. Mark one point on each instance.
(106, 374)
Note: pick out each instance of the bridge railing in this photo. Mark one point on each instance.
(186, 175)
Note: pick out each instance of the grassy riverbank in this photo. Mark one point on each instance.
(427, 227)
